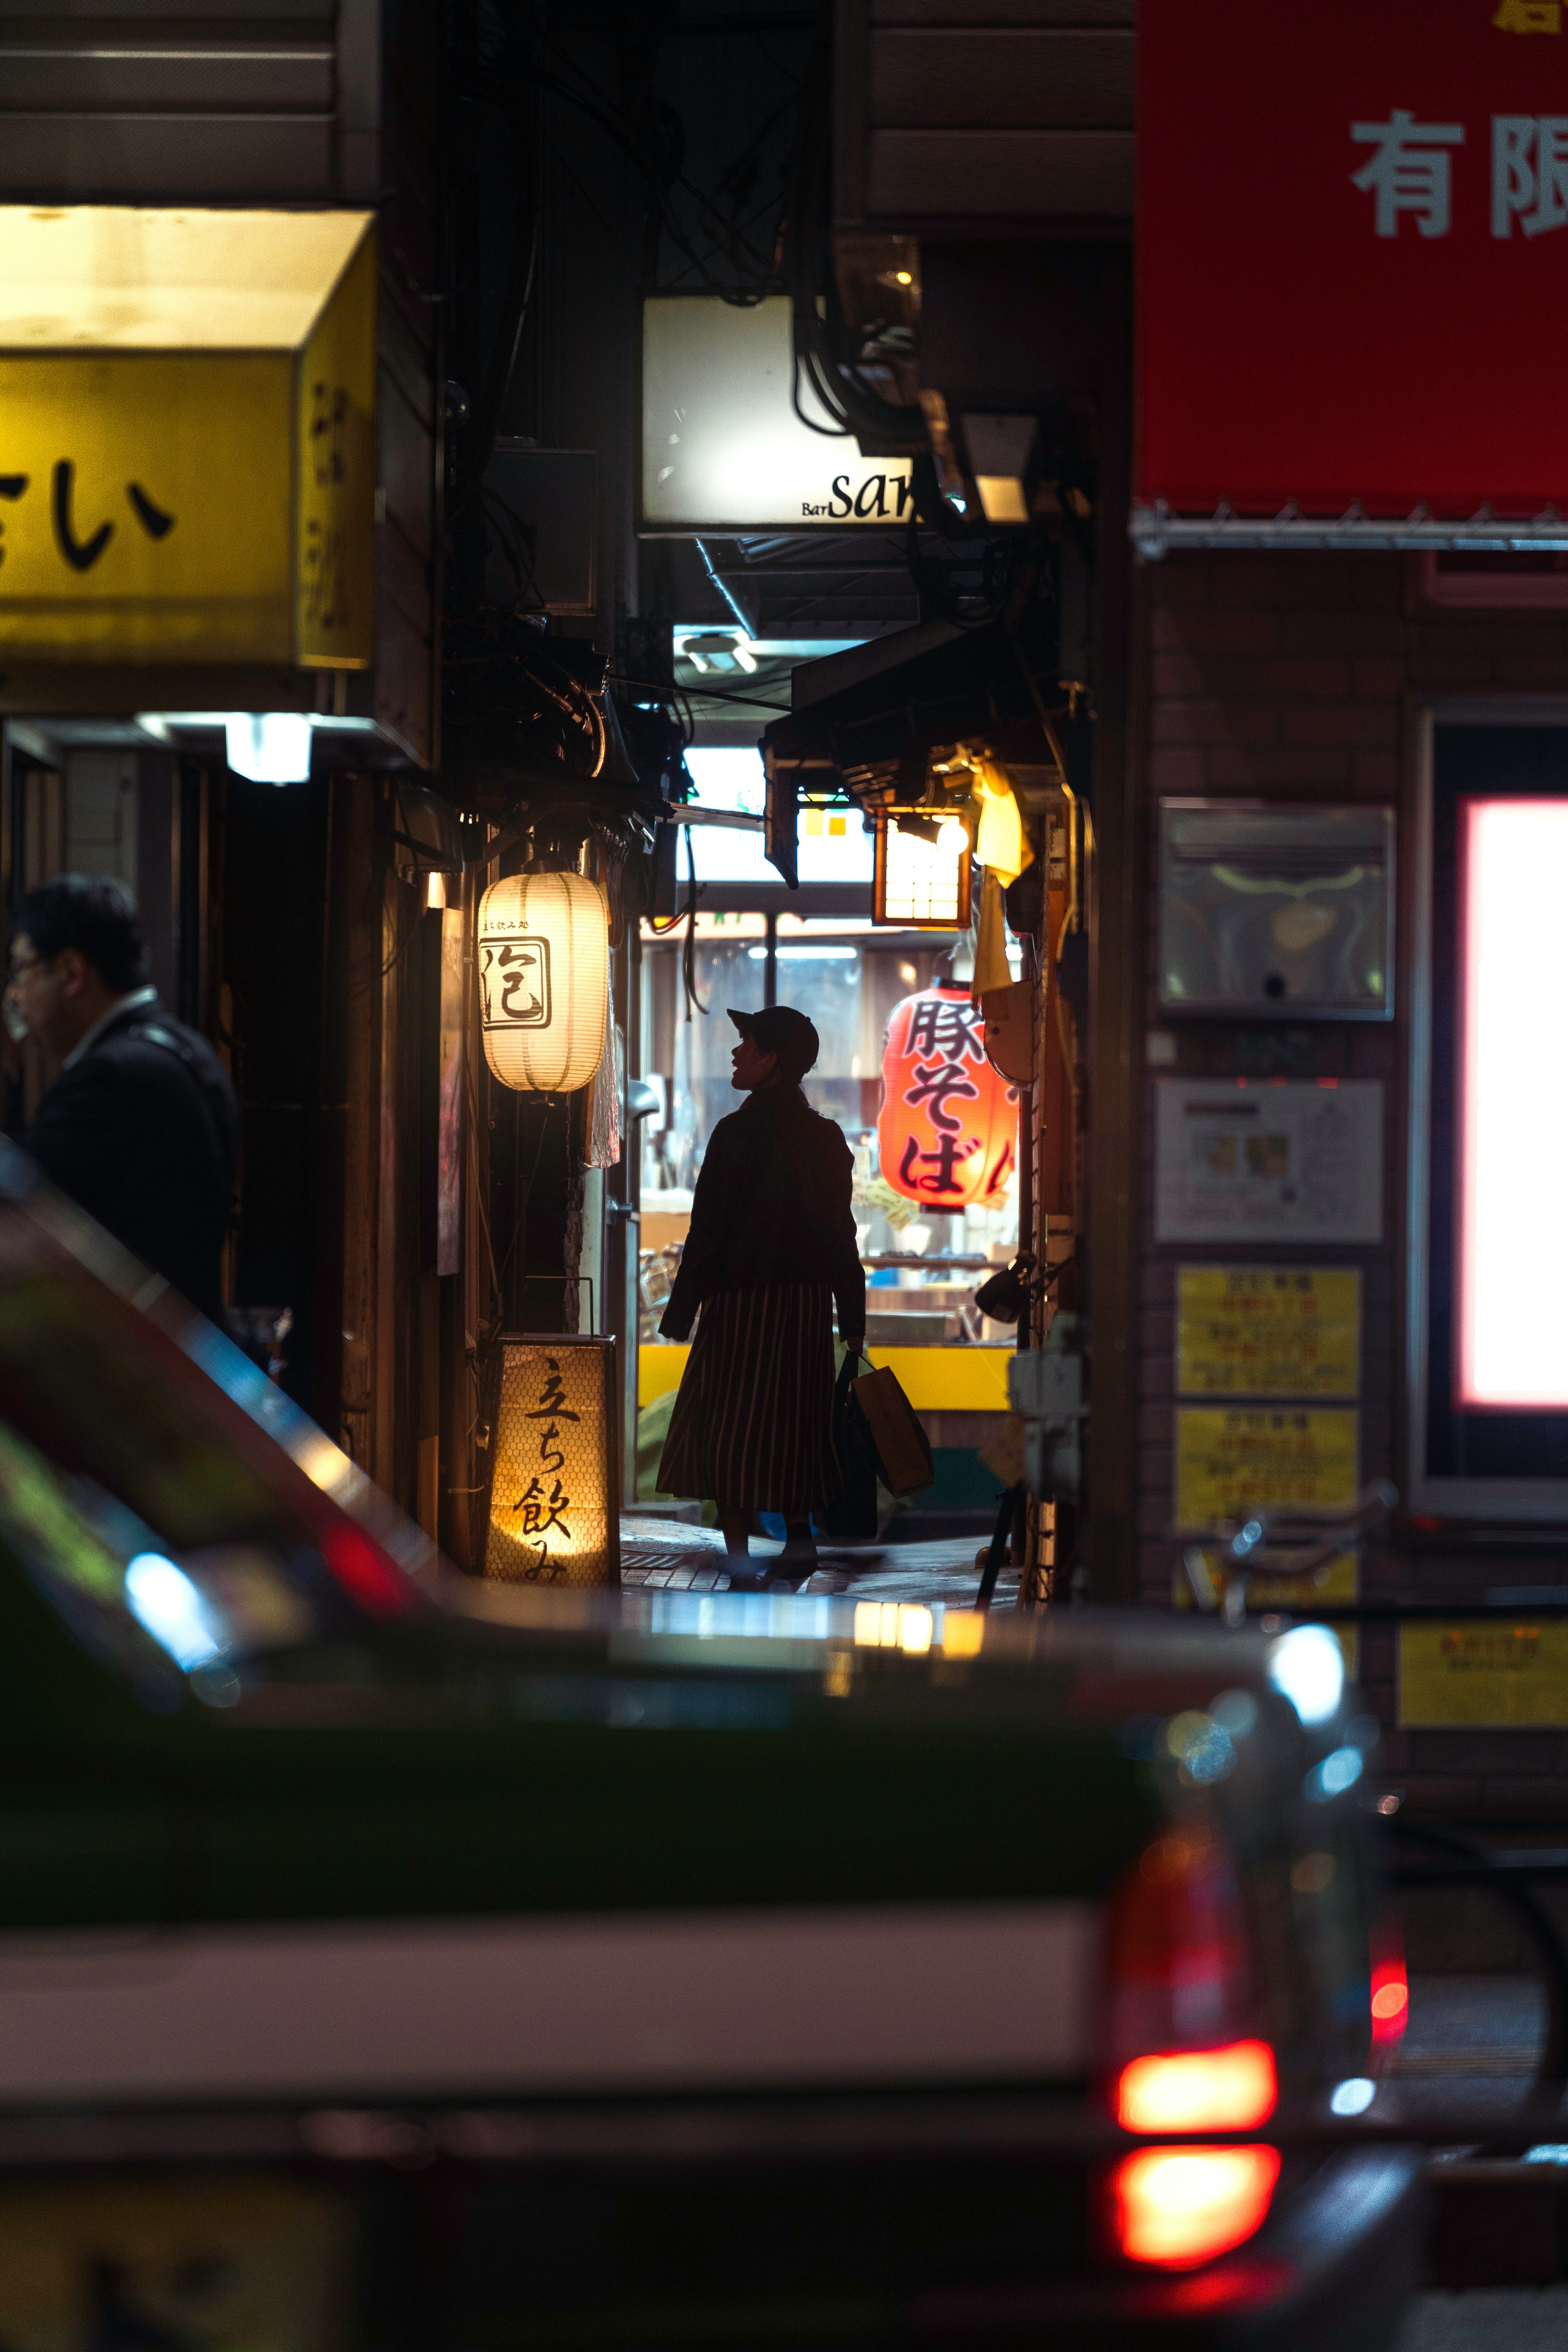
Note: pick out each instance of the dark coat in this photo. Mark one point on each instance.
(142, 1133)
(771, 1205)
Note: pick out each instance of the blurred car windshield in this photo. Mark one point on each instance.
(121, 1591)
(168, 1510)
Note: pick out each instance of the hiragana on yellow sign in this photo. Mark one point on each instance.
(187, 466)
(1261, 1458)
(1513, 1673)
(1529, 17)
(1268, 1331)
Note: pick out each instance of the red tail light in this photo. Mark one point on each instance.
(1180, 2006)
(1389, 1992)
(1233, 2089)
(1177, 2207)
(1176, 1955)
(359, 1562)
(1390, 2002)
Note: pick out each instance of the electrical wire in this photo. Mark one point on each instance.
(484, 424)
(697, 693)
(689, 949)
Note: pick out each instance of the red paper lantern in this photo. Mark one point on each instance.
(948, 1131)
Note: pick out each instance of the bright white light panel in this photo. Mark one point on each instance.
(732, 778)
(1512, 1234)
(924, 883)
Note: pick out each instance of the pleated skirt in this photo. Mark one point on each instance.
(752, 1425)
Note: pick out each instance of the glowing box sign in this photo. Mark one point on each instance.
(555, 1514)
(187, 463)
(722, 443)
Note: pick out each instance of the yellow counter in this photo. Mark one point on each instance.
(934, 1380)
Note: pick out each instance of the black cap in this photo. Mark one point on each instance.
(780, 1029)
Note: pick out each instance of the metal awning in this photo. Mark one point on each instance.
(1155, 531)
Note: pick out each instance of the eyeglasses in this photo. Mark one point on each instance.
(17, 969)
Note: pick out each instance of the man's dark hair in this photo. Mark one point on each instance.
(95, 914)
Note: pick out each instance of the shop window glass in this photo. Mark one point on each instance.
(846, 980)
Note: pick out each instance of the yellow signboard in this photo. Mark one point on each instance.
(934, 1380)
(1337, 1582)
(1515, 1672)
(1267, 1330)
(1230, 1461)
(187, 471)
(233, 2263)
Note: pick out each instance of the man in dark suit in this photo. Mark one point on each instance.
(139, 1123)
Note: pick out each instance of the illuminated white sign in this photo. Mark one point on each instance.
(1513, 1112)
(723, 447)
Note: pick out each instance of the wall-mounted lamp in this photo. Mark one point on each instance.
(271, 747)
(1001, 458)
(920, 877)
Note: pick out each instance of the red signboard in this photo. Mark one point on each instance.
(1352, 254)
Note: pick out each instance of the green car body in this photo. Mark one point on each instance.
(761, 1940)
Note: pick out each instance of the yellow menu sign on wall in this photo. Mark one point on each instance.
(1267, 1330)
(1241, 1458)
(1515, 1672)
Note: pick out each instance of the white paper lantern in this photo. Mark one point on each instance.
(545, 978)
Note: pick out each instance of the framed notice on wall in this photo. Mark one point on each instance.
(1268, 1331)
(1249, 1160)
(1232, 1461)
(1473, 1675)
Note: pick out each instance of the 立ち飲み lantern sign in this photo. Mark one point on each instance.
(947, 1136)
(545, 978)
(555, 1514)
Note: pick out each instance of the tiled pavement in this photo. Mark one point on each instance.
(675, 1557)
(1471, 2046)
(1527, 2319)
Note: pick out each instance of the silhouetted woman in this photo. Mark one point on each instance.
(770, 1252)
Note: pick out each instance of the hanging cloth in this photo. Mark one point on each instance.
(991, 966)
(1002, 845)
(602, 1127)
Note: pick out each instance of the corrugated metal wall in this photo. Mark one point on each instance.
(201, 99)
(267, 101)
(971, 112)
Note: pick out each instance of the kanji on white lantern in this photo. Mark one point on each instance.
(545, 978)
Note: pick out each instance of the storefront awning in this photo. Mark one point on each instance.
(1156, 531)
(187, 470)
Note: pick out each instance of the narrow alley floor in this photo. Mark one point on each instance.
(678, 1556)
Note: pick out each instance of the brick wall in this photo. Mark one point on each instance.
(1298, 678)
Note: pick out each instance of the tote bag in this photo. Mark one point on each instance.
(851, 1516)
(903, 1448)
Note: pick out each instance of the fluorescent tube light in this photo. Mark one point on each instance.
(1512, 1245)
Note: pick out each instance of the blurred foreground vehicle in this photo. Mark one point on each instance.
(392, 1960)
